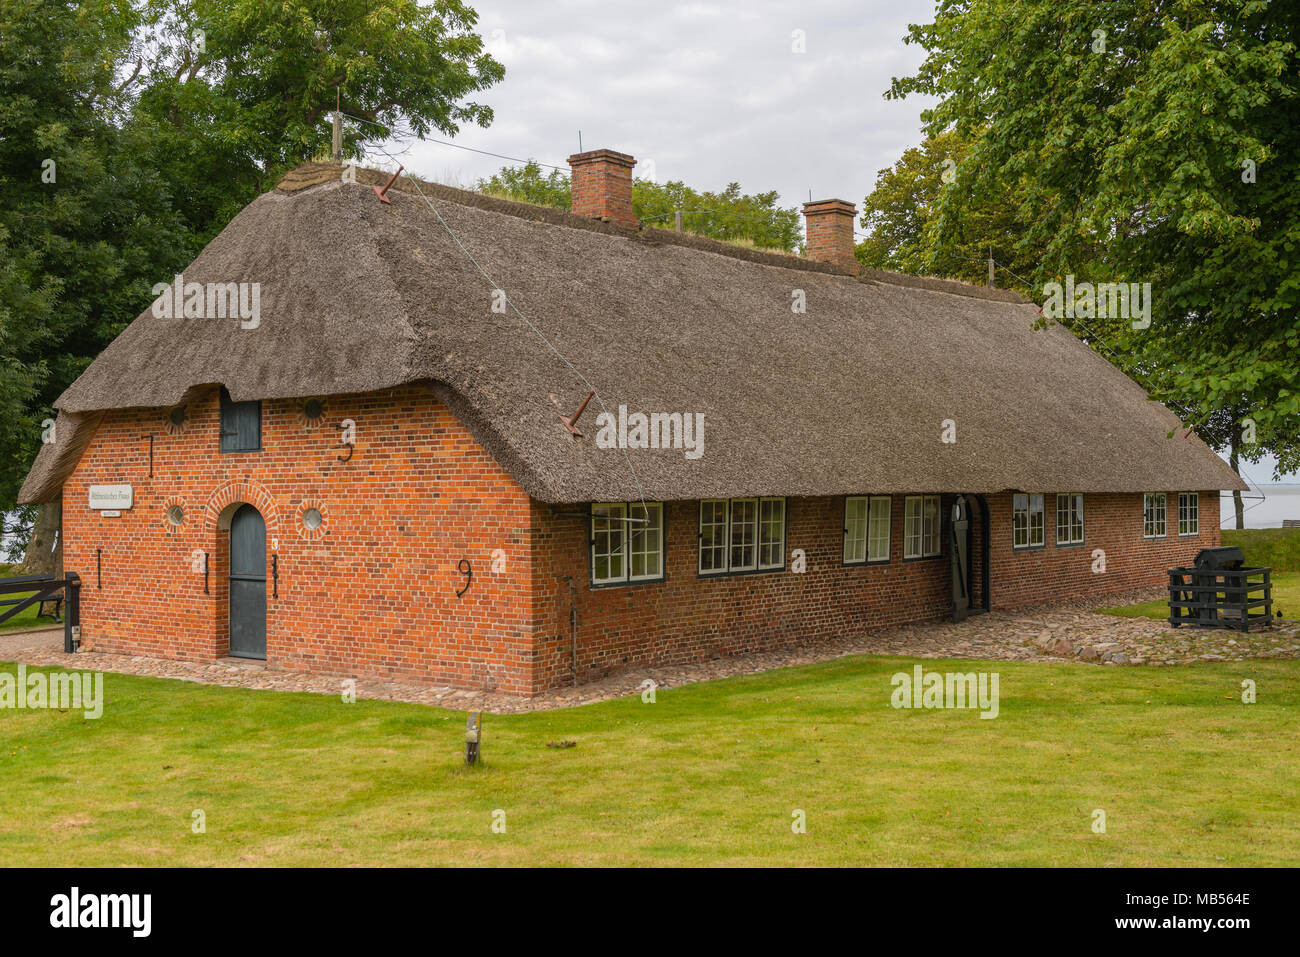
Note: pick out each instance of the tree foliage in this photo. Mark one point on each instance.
(1144, 141)
(131, 131)
(906, 234)
(729, 215)
(86, 224)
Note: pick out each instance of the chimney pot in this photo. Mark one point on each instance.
(601, 186)
(830, 231)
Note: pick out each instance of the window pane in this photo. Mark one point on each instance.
(744, 534)
(645, 541)
(771, 546)
(1189, 519)
(1153, 525)
(713, 535)
(879, 536)
(1069, 519)
(855, 529)
(1037, 521)
(912, 526)
(608, 543)
(932, 521)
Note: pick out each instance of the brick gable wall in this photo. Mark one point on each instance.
(371, 592)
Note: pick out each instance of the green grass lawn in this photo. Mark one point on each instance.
(709, 774)
(26, 619)
(1286, 599)
(1276, 548)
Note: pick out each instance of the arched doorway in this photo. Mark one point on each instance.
(247, 584)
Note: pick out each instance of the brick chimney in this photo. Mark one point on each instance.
(602, 186)
(830, 231)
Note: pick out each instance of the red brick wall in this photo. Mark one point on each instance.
(1112, 523)
(688, 617)
(372, 593)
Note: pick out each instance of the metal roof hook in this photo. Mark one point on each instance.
(569, 421)
(381, 192)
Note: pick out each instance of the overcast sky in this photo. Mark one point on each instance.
(706, 93)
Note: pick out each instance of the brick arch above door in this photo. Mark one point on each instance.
(241, 492)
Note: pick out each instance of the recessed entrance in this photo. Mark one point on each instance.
(968, 526)
(961, 576)
(247, 584)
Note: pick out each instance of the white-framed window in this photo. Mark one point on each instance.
(771, 533)
(855, 529)
(645, 541)
(627, 542)
(1153, 515)
(866, 529)
(713, 536)
(1028, 521)
(1069, 519)
(741, 535)
(608, 543)
(744, 534)
(1189, 513)
(878, 529)
(921, 526)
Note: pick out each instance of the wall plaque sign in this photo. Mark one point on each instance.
(112, 497)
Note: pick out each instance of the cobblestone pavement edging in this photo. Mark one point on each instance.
(1059, 633)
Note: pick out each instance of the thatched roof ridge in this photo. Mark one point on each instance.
(360, 296)
(315, 174)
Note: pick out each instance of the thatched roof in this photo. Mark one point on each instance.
(848, 397)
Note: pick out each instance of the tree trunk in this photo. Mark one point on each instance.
(1233, 440)
(45, 548)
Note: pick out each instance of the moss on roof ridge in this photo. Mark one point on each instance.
(306, 175)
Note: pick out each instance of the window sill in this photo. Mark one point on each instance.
(740, 574)
(600, 586)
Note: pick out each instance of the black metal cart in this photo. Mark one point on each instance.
(1219, 591)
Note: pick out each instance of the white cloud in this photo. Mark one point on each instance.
(710, 91)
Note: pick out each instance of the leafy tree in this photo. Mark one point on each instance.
(730, 216)
(1148, 141)
(906, 235)
(131, 131)
(85, 225)
(235, 92)
(528, 184)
